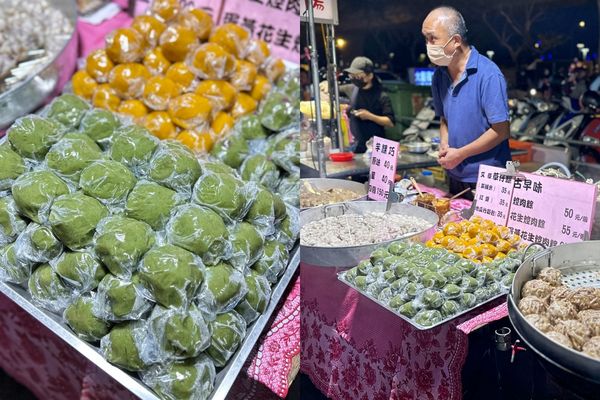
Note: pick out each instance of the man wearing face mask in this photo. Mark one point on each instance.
(370, 110)
(469, 94)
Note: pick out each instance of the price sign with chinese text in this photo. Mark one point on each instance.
(383, 168)
(493, 194)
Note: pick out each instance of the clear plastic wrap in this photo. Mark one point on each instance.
(152, 203)
(289, 190)
(223, 288)
(258, 168)
(13, 269)
(262, 212)
(250, 128)
(129, 346)
(107, 181)
(71, 155)
(190, 111)
(128, 80)
(174, 166)
(221, 94)
(99, 125)
(120, 300)
(200, 230)
(181, 74)
(217, 167)
(284, 150)
(32, 136)
(176, 42)
(98, 65)
(48, 290)
(160, 124)
(37, 244)
(233, 38)
(274, 260)
(149, 27)
(257, 299)
(225, 194)
(171, 274)
(159, 91)
(121, 243)
(228, 332)
(247, 245)
(79, 315)
(180, 333)
(257, 52)
(35, 191)
(232, 151)
(156, 62)
(74, 217)
(211, 61)
(190, 379)
(166, 10)
(244, 105)
(244, 75)
(68, 110)
(278, 111)
(133, 146)
(289, 83)
(289, 228)
(11, 166)
(11, 223)
(81, 270)
(124, 45)
(197, 20)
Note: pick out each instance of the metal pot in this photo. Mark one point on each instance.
(323, 184)
(346, 257)
(580, 266)
(31, 93)
(418, 147)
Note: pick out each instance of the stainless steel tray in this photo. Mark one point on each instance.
(225, 377)
(322, 184)
(410, 321)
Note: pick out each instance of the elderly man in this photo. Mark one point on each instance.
(469, 94)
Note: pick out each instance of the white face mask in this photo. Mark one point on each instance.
(436, 54)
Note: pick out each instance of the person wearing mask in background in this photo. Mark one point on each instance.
(370, 110)
(469, 95)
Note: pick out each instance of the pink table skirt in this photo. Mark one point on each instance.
(51, 369)
(354, 349)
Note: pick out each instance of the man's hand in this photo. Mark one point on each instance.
(450, 158)
(443, 150)
(363, 114)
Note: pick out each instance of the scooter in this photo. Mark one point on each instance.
(423, 127)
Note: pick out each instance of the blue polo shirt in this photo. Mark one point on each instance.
(477, 101)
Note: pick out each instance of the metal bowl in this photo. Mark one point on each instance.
(322, 184)
(345, 257)
(418, 147)
(580, 266)
(35, 91)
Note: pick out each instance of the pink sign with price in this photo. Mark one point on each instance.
(383, 168)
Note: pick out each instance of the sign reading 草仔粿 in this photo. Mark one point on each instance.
(383, 168)
(540, 209)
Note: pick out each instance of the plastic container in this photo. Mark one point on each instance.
(518, 145)
(426, 178)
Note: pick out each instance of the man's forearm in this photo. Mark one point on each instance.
(487, 141)
(443, 133)
(382, 120)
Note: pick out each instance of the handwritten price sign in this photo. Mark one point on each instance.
(493, 194)
(383, 168)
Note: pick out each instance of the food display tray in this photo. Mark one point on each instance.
(410, 321)
(225, 377)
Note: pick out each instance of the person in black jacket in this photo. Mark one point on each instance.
(370, 110)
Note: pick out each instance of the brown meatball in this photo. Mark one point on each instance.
(560, 293)
(592, 347)
(551, 275)
(560, 310)
(540, 321)
(532, 305)
(537, 288)
(585, 298)
(590, 318)
(560, 338)
(575, 330)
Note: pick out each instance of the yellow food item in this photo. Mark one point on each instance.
(198, 21)
(211, 61)
(513, 239)
(503, 245)
(472, 253)
(176, 41)
(98, 65)
(500, 256)
(487, 236)
(233, 38)
(487, 225)
(182, 75)
(125, 45)
(438, 236)
(476, 219)
(222, 122)
(452, 228)
(488, 250)
(448, 241)
(159, 91)
(83, 84)
(106, 97)
(159, 123)
(134, 109)
(156, 62)
(196, 141)
(486, 260)
(474, 230)
(502, 232)
(220, 93)
(458, 246)
(274, 69)
(149, 27)
(189, 110)
(129, 79)
(261, 87)
(244, 104)
(244, 75)
(465, 236)
(165, 9)
(258, 52)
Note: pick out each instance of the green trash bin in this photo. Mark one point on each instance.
(407, 101)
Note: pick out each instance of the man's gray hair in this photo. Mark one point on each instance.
(453, 21)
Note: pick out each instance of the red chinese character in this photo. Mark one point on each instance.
(319, 5)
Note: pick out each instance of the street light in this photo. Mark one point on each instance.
(490, 53)
(580, 46)
(584, 53)
(582, 24)
(340, 43)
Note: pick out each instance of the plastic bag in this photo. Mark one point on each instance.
(244, 75)
(174, 166)
(289, 228)
(247, 245)
(120, 300)
(284, 150)
(11, 166)
(48, 290)
(234, 38)
(80, 317)
(37, 244)
(250, 128)
(274, 260)
(223, 288)
(35, 191)
(13, 269)
(171, 274)
(200, 230)
(211, 61)
(74, 218)
(258, 168)
(121, 242)
(152, 203)
(228, 332)
(191, 379)
(81, 270)
(133, 146)
(32, 136)
(257, 299)
(225, 194)
(221, 94)
(71, 155)
(99, 125)
(279, 110)
(232, 151)
(180, 333)
(191, 111)
(11, 223)
(68, 110)
(289, 190)
(107, 181)
(129, 346)
(262, 212)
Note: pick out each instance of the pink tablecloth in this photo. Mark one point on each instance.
(354, 349)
